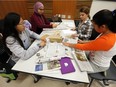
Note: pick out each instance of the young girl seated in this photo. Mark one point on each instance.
(17, 38)
(103, 48)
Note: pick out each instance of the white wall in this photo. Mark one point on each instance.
(102, 4)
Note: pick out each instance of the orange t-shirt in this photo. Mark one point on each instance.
(102, 43)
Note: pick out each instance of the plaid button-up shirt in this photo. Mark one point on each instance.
(84, 30)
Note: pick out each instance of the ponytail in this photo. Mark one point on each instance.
(106, 17)
(114, 21)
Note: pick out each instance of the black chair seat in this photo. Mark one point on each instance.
(94, 34)
(98, 76)
(110, 74)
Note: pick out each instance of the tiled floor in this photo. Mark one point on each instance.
(25, 80)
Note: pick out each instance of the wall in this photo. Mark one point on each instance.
(102, 4)
(69, 8)
(47, 4)
(18, 6)
(79, 4)
(66, 8)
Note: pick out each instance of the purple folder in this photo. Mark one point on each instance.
(66, 65)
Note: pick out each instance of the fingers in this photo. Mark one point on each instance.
(43, 39)
(42, 43)
(54, 25)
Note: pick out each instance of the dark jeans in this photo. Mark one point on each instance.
(11, 62)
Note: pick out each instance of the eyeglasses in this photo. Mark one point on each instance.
(41, 9)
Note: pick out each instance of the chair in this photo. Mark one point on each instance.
(109, 75)
(114, 59)
(76, 22)
(5, 71)
(5, 67)
(94, 34)
(50, 19)
(1, 25)
(56, 19)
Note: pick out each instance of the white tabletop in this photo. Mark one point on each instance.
(65, 24)
(28, 66)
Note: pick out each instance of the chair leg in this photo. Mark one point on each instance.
(8, 80)
(67, 83)
(36, 78)
(90, 82)
(106, 82)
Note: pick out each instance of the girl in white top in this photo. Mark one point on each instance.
(103, 48)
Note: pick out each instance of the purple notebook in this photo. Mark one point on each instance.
(66, 65)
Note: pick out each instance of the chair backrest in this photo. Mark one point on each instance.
(56, 19)
(114, 60)
(1, 25)
(94, 34)
(76, 22)
(50, 19)
(4, 56)
(110, 74)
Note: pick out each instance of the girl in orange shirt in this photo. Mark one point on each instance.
(103, 48)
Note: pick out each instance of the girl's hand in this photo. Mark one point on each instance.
(82, 41)
(51, 23)
(43, 38)
(66, 44)
(54, 25)
(74, 35)
(42, 43)
(73, 29)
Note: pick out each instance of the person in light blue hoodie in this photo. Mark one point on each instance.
(17, 38)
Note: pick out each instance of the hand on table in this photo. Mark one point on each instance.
(44, 37)
(65, 43)
(83, 41)
(42, 43)
(73, 29)
(54, 25)
(74, 35)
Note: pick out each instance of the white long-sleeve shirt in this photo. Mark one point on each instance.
(18, 52)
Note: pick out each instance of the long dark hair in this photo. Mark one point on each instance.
(11, 20)
(106, 17)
